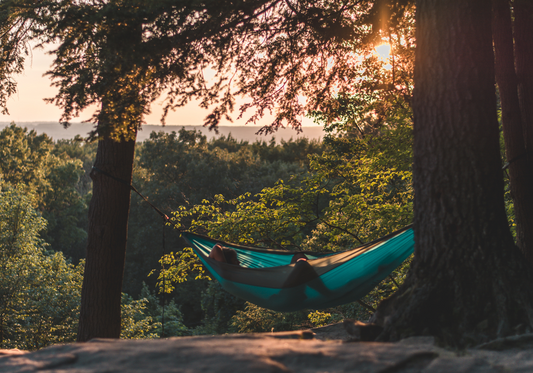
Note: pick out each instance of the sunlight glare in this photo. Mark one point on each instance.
(383, 51)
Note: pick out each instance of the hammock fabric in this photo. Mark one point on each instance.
(267, 278)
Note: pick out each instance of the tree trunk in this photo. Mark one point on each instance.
(520, 170)
(107, 236)
(468, 281)
(523, 34)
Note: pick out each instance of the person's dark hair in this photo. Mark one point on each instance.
(298, 256)
(230, 255)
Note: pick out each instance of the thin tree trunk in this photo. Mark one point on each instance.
(465, 285)
(523, 34)
(107, 236)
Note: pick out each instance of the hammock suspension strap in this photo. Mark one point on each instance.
(161, 213)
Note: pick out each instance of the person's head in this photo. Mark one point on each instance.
(298, 256)
(231, 256)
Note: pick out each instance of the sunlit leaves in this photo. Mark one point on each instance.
(357, 192)
(135, 324)
(319, 318)
(257, 319)
(370, 183)
(177, 267)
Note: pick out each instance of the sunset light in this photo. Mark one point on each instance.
(383, 53)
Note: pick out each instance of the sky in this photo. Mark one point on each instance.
(27, 104)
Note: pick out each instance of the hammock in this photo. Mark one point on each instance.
(267, 278)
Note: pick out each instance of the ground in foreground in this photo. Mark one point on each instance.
(323, 350)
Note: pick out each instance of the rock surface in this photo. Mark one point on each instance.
(320, 350)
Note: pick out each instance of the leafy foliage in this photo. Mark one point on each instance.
(143, 318)
(39, 291)
(218, 307)
(273, 51)
(58, 180)
(319, 318)
(257, 319)
(13, 50)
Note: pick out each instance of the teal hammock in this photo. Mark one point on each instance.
(267, 278)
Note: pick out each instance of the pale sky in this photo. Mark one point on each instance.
(27, 104)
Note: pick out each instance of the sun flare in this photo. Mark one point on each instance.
(383, 51)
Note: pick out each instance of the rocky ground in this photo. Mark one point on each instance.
(325, 349)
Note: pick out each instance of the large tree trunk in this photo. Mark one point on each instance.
(523, 34)
(468, 281)
(106, 249)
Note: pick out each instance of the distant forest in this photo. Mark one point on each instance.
(245, 133)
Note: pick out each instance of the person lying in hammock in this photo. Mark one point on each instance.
(302, 271)
(225, 254)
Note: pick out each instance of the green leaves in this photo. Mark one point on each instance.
(319, 318)
(39, 292)
(254, 319)
(19, 223)
(143, 318)
(55, 176)
(177, 267)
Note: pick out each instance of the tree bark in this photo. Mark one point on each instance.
(466, 283)
(107, 237)
(523, 35)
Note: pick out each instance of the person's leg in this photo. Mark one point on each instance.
(304, 272)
